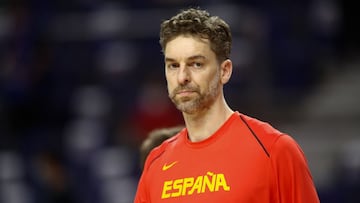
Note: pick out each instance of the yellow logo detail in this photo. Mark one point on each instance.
(209, 182)
(166, 167)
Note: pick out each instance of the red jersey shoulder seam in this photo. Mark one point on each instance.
(263, 132)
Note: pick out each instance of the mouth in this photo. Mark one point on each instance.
(185, 92)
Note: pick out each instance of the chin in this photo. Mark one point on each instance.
(189, 107)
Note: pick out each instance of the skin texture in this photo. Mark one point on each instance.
(195, 80)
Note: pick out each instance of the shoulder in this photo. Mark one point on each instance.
(275, 143)
(264, 132)
(158, 151)
(287, 146)
(260, 127)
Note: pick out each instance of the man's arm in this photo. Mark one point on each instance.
(294, 180)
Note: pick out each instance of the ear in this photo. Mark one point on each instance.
(226, 71)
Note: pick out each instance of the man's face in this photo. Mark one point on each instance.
(192, 74)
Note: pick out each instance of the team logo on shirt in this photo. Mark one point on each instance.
(209, 182)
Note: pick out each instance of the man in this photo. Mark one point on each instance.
(221, 155)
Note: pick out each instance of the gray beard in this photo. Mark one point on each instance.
(202, 102)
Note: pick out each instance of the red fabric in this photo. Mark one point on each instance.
(233, 165)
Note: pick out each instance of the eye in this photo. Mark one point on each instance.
(172, 65)
(196, 64)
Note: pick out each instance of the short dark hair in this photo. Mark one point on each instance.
(155, 138)
(199, 23)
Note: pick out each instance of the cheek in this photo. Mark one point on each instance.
(205, 81)
(170, 84)
(170, 78)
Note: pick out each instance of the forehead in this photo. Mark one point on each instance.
(187, 46)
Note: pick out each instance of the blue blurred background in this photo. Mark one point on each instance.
(82, 83)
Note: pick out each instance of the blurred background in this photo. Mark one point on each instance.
(82, 83)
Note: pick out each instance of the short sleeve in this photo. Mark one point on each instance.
(140, 196)
(291, 172)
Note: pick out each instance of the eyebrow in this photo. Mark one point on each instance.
(167, 59)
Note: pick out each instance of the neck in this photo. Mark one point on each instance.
(201, 125)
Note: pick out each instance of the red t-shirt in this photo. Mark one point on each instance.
(245, 160)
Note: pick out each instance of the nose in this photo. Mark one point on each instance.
(183, 75)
